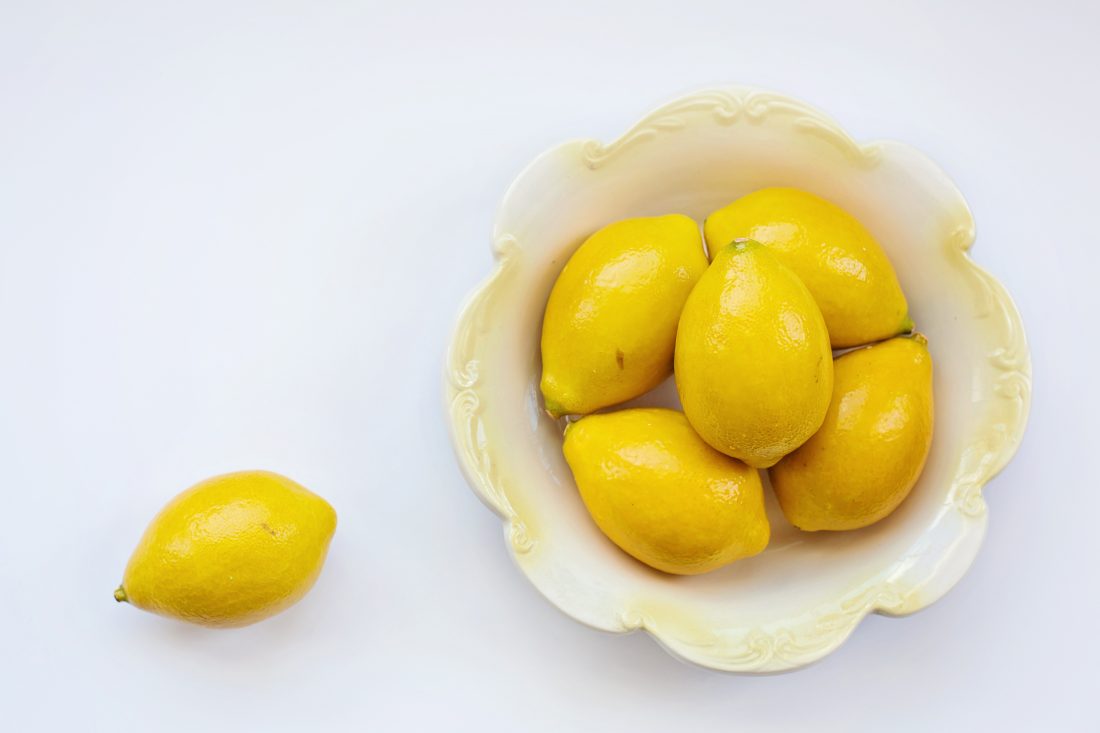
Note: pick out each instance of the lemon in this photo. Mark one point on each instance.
(610, 322)
(872, 447)
(847, 271)
(230, 551)
(663, 495)
(753, 364)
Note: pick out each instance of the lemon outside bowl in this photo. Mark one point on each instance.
(803, 596)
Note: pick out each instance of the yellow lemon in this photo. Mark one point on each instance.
(663, 495)
(753, 364)
(870, 451)
(230, 551)
(610, 323)
(849, 275)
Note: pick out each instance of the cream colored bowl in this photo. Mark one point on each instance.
(800, 599)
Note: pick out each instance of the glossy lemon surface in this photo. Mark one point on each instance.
(663, 495)
(847, 271)
(610, 323)
(231, 550)
(873, 444)
(753, 365)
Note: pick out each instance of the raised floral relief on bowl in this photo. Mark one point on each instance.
(800, 598)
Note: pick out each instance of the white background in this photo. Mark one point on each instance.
(236, 234)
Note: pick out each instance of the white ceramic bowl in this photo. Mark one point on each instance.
(798, 600)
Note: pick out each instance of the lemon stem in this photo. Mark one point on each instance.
(120, 595)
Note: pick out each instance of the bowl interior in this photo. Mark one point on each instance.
(694, 169)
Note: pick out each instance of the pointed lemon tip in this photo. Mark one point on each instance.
(120, 595)
(907, 324)
(553, 409)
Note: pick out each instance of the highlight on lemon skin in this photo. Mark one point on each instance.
(230, 551)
